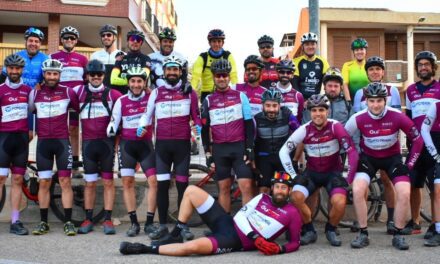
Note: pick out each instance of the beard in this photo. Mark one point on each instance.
(426, 77)
(279, 200)
(172, 81)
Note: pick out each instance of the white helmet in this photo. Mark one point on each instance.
(309, 37)
(173, 60)
(69, 30)
(52, 65)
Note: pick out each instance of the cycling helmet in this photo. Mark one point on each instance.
(108, 28)
(216, 34)
(14, 60)
(426, 54)
(282, 177)
(376, 90)
(95, 66)
(317, 100)
(374, 61)
(221, 66)
(69, 30)
(333, 73)
(272, 95)
(285, 65)
(52, 65)
(135, 32)
(265, 39)
(254, 59)
(136, 72)
(359, 43)
(34, 32)
(167, 33)
(173, 61)
(309, 37)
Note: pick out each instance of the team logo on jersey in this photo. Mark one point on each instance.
(345, 144)
(290, 145)
(317, 67)
(427, 121)
(312, 74)
(414, 132)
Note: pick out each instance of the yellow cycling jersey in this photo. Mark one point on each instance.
(355, 76)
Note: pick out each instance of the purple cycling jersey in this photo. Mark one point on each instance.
(323, 148)
(95, 116)
(293, 100)
(172, 109)
(380, 134)
(51, 106)
(254, 95)
(261, 216)
(14, 107)
(419, 103)
(74, 67)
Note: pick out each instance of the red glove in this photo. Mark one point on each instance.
(267, 247)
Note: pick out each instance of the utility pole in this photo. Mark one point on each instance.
(314, 18)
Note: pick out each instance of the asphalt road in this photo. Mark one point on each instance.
(95, 247)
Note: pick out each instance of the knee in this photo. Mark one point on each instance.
(339, 201)
(403, 194)
(16, 180)
(91, 185)
(44, 185)
(128, 182)
(358, 191)
(191, 248)
(108, 184)
(2, 180)
(191, 190)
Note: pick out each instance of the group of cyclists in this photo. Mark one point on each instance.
(144, 108)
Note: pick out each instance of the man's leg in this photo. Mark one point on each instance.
(247, 189)
(298, 197)
(360, 188)
(224, 196)
(402, 203)
(338, 202)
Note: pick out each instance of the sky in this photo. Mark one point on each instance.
(244, 21)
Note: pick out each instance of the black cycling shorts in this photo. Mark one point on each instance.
(14, 150)
(134, 151)
(393, 166)
(267, 165)
(46, 150)
(98, 156)
(176, 152)
(333, 182)
(423, 170)
(224, 237)
(228, 156)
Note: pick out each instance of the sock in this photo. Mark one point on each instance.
(309, 227)
(15, 216)
(43, 214)
(133, 217)
(108, 215)
(178, 228)
(163, 200)
(68, 214)
(89, 214)
(329, 227)
(154, 250)
(150, 218)
(437, 227)
(75, 162)
(181, 187)
(364, 231)
(390, 214)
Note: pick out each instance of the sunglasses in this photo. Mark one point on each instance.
(252, 69)
(69, 38)
(221, 75)
(266, 47)
(281, 176)
(285, 72)
(106, 35)
(135, 39)
(94, 74)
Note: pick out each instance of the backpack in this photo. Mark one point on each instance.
(204, 56)
(89, 98)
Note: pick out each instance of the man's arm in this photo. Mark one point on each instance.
(147, 116)
(294, 230)
(431, 117)
(116, 79)
(408, 110)
(346, 144)
(291, 143)
(248, 122)
(395, 98)
(240, 218)
(195, 112)
(345, 76)
(116, 119)
(206, 126)
(413, 135)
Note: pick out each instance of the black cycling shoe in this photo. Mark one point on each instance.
(430, 232)
(360, 241)
(133, 230)
(159, 232)
(127, 248)
(308, 237)
(400, 243)
(333, 238)
(434, 241)
(391, 229)
(18, 229)
(168, 239)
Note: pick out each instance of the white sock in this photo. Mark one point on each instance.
(437, 227)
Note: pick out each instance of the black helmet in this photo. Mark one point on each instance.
(216, 34)
(375, 90)
(359, 43)
(108, 28)
(135, 32)
(14, 60)
(265, 39)
(69, 30)
(426, 54)
(285, 65)
(254, 59)
(333, 73)
(317, 100)
(167, 33)
(282, 177)
(95, 66)
(34, 32)
(374, 61)
(272, 95)
(221, 66)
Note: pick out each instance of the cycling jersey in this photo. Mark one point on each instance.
(14, 99)
(431, 128)
(254, 95)
(309, 73)
(393, 99)
(293, 100)
(118, 78)
(203, 74)
(269, 74)
(354, 76)
(74, 67)
(32, 72)
(108, 59)
(94, 115)
(129, 110)
(418, 103)
(172, 110)
(380, 134)
(322, 147)
(340, 110)
(51, 106)
(157, 58)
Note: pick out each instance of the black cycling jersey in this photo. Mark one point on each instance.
(132, 59)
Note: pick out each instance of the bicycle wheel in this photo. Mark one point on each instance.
(196, 171)
(78, 212)
(3, 198)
